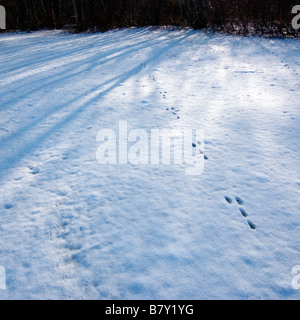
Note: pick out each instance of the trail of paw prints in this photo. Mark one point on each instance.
(244, 213)
(174, 112)
(198, 146)
(163, 93)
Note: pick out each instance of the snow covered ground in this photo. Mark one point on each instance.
(74, 229)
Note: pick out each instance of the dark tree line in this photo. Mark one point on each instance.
(234, 16)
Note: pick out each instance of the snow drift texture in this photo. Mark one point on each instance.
(73, 229)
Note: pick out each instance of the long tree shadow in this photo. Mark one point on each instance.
(98, 93)
(77, 55)
(69, 47)
(91, 63)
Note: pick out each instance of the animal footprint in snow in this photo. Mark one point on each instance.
(252, 225)
(244, 213)
(239, 201)
(201, 151)
(34, 170)
(229, 200)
